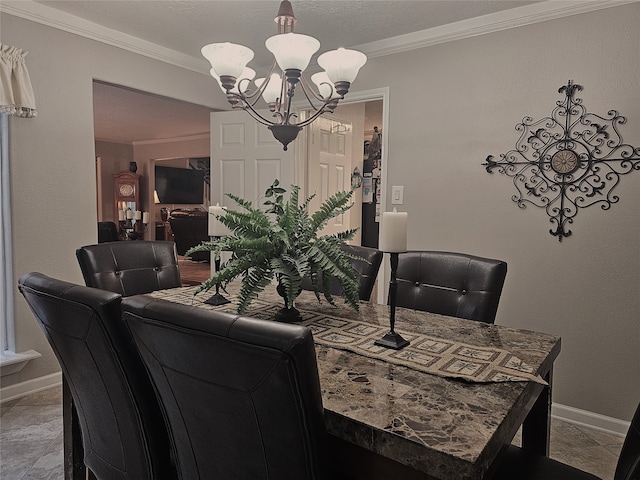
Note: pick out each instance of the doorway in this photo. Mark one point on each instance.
(133, 127)
(364, 110)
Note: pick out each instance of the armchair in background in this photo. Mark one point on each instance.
(190, 228)
(107, 232)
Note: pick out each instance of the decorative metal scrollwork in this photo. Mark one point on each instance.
(570, 160)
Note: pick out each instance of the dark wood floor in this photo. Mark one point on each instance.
(193, 273)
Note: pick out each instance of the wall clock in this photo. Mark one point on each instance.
(567, 161)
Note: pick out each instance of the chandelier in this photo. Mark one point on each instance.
(292, 53)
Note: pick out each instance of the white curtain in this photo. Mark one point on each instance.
(16, 98)
(16, 92)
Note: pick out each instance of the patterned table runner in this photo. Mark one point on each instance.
(437, 356)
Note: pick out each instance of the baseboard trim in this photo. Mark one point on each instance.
(588, 419)
(34, 385)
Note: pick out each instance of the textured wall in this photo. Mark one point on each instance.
(453, 104)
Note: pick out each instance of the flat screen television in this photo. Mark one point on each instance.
(179, 185)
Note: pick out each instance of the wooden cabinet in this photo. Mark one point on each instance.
(126, 191)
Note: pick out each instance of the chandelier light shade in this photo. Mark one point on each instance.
(292, 54)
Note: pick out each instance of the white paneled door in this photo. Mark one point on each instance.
(329, 165)
(245, 159)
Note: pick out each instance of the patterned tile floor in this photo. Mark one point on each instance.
(31, 441)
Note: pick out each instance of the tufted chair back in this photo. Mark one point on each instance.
(130, 267)
(454, 284)
(122, 427)
(367, 270)
(241, 395)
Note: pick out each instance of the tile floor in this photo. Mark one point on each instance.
(31, 441)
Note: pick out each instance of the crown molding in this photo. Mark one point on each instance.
(495, 22)
(201, 136)
(39, 13)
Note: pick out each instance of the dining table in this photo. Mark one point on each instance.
(444, 407)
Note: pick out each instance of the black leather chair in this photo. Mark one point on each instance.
(517, 463)
(130, 267)
(367, 270)
(241, 395)
(453, 284)
(190, 228)
(123, 432)
(107, 232)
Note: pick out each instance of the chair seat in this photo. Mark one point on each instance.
(518, 464)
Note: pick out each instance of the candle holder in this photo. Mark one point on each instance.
(392, 339)
(131, 229)
(217, 299)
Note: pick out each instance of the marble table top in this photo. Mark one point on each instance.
(447, 428)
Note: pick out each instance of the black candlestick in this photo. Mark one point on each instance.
(392, 339)
(218, 298)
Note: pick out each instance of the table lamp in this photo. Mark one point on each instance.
(393, 240)
(216, 230)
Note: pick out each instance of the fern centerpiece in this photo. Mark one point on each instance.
(282, 243)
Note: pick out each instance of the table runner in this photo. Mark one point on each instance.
(429, 354)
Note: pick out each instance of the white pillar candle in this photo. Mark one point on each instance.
(216, 227)
(138, 215)
(393, 234)
(121, 215)
(145, 217)
(129, 214)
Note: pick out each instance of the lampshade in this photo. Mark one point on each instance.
(272, 91)
(292, 50)
(227, 58)
(325, 85)
(247, 73)
(342, 65)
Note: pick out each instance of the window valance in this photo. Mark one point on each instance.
(16, 92)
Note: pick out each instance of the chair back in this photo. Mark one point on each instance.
(130, 267)
(366, 264)
(454, 284)
(628, 467)
(120, 419)
(107, 232)
(241, 395)
(190, 228)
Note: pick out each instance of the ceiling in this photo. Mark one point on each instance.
(183, 26)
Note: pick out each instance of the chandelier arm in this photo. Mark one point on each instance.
(284, 96)
(306, 94)
(259, 118)
(318, 112)
(253, 97)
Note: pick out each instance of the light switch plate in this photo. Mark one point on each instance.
(397, 195)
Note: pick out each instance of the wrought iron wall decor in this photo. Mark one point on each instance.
(570, 160)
